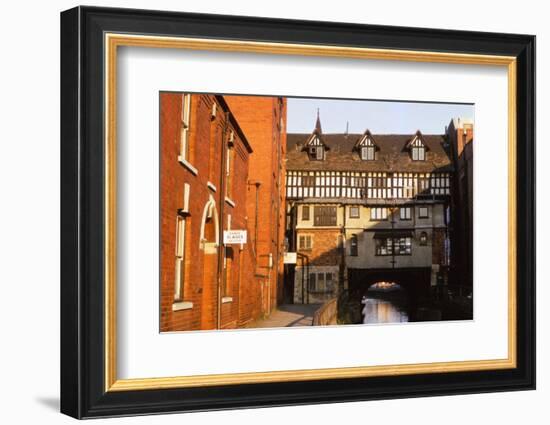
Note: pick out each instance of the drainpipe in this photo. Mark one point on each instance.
(221, 246)
(343, 256)
(307, 272)
(257, 184)
(303, 282)
(305, 279)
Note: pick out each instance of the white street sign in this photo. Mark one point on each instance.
(234, 237)
(290, 258)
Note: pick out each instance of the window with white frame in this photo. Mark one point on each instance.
(320, 154)
(185, 124)
(305, 212)
(405, 213)
(423, 183)
(367, 153)
(354, 211)
(180, 258)
(321, 282)
(308, 180)
(378, 214)
(423, 212)
(393, 246)
(229, 166)
(324, 215)
(304, 242)
(418, 153)
(402, 246)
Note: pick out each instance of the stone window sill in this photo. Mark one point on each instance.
(211, 186)
(182, 305)
(226, 300)
(187, 165)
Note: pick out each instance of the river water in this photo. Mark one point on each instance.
(384, 307)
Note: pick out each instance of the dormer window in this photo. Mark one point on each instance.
(418, 153)
(320, 153)
(417, 148)
(316, 152)
(315, 146)
(366, 147)
(367, 153)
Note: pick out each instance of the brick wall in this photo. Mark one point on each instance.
(263, 120)
(324, 250)
(206, 178)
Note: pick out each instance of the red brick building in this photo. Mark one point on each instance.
(208, 183)
(263, 120)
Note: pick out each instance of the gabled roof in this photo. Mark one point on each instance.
(393, 154)
(367, 135)
(417, 136)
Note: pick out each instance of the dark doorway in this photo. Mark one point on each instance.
(288, 286)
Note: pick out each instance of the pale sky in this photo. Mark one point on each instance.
(382, 117)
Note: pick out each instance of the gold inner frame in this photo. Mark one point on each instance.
(112, 41)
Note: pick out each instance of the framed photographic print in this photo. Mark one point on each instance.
(261, 212)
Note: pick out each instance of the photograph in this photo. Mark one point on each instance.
(280, 211)
(286, 210)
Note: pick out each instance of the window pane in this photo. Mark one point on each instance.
(324, 216)
(378, 213)
(320, 281)
(180, 236)
(180, 258)
(312, 281)
(319, 153)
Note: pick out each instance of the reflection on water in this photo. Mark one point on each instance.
(384, 303)
(382, 311)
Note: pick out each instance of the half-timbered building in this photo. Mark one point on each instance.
(364, 208)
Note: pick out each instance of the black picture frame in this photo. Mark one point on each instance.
(82, 218)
